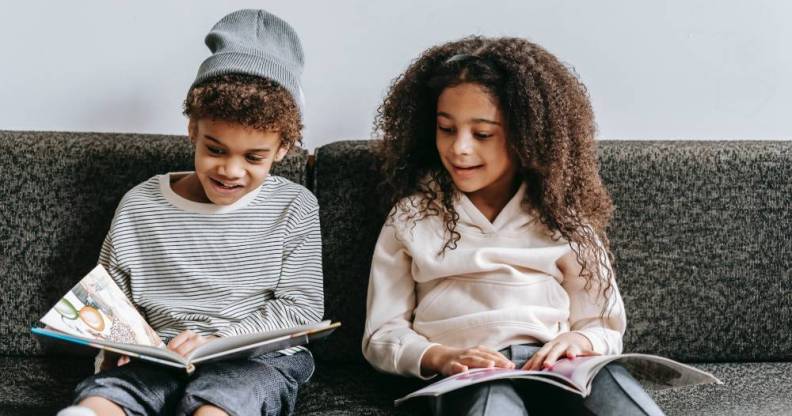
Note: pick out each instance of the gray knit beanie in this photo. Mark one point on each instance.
(255, 42)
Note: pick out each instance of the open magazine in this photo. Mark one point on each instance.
(576, 375)
(95, 313)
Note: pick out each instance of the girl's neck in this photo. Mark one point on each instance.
(491, 200)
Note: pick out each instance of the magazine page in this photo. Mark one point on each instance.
(660, 373)
(96, 308)
(655, 372)
(481, 375)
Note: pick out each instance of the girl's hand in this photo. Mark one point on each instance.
(448, 361)
(187, 341)
(567, 345)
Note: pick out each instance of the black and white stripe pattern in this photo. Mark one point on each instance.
(250, 267)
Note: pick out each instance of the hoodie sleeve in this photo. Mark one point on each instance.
(389, 342)
(586, 316)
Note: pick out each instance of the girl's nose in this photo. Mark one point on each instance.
(463, 143)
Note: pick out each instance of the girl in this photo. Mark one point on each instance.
(495, 253)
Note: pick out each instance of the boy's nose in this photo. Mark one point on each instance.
(232, 169)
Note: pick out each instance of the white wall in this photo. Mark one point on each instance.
(655, 69)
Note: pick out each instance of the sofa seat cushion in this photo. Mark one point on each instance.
(41, 385)
(748, 389)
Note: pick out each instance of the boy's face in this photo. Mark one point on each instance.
(232, 160)
(471, 141)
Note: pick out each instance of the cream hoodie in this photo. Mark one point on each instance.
(500, 286)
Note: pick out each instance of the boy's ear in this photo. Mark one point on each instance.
(282, 151)
(192, 130)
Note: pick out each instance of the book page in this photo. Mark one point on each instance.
(276, 340)
(96, 308)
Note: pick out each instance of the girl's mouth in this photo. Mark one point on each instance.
(466, 170)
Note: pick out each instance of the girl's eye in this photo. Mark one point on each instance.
(254, 158)
(482, 136)
(215, 150)
(445, 129)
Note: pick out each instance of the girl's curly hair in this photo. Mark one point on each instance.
(249, 100)
(549, 125)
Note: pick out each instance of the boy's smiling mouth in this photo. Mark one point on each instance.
(224, 185)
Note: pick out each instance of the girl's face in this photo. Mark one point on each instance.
(472, 144)
(232, 160)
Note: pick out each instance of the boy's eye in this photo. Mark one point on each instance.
(254, 158)
(214, 150)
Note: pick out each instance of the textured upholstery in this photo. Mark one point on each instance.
(700, 234)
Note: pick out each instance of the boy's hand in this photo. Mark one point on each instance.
(448, 361)
(112, 360)
(567, 345)
(187, 341)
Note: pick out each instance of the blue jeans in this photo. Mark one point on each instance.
(614, 392)
(265, 385)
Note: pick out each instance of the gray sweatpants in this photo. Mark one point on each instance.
(263, 385)
(614, 392)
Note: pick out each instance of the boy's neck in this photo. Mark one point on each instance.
(189, 187)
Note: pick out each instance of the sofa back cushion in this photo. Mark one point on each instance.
(57, 198)
(701, 238)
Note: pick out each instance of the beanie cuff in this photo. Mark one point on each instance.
(236, 62)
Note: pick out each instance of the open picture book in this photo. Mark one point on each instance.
(96, 314)
(576, 375)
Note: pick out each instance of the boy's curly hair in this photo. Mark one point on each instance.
(249, 100)
(549, 125)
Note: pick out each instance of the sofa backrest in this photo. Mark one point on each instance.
(57, 197)
(701, 237)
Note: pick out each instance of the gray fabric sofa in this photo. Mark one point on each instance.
(702, 237)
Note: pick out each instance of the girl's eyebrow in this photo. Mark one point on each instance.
(262, 150)
(475, 120)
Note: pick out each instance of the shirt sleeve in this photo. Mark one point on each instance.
(389, 342)
(586, 306)
(299, 295)
(109, 260)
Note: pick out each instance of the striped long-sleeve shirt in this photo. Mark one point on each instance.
(255, 265)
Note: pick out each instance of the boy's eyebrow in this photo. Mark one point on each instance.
(475, 120)
(262, 150)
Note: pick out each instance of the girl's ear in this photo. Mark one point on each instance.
(192, 130)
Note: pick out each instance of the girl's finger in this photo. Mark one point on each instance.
(553, 355)
(572, 352)
(476, 361)
(499, 359)
(535, 362)
(457, 367)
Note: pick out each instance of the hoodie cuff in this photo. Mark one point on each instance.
(411, 355)
(596, 339)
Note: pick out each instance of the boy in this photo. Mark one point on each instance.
(226, 249)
